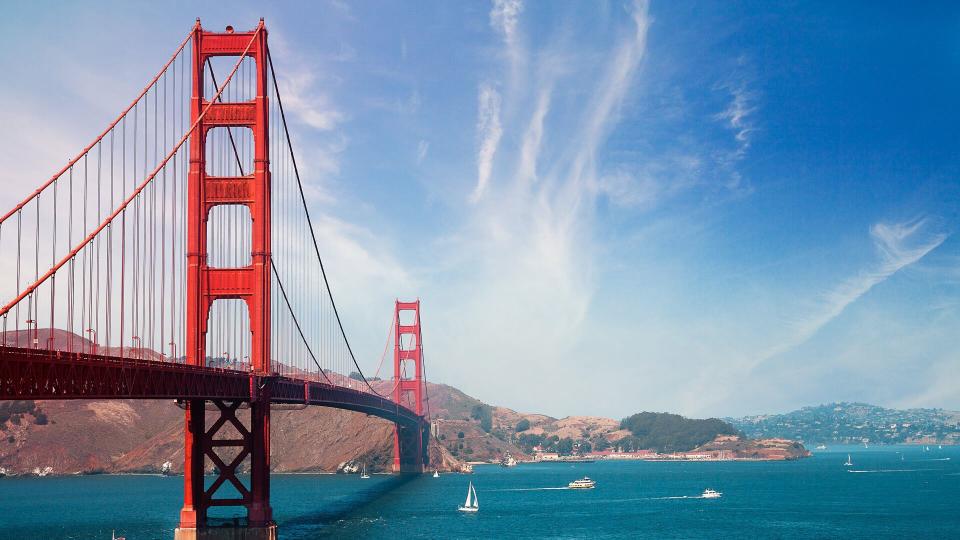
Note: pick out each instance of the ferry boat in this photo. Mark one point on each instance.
(583, 483)
(710, 494)
(472, 504)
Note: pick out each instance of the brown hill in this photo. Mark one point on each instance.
(122, 436)
(734, 447)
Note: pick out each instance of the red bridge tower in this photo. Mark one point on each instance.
(205, 285)
(409, 444)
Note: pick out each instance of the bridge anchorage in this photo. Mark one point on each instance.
(174, 258)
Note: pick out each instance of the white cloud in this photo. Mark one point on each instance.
(899, 244)
(489, 132)
(503, 18)
(741, 364)
(532, 139)
(650, 183)
(298, 91)
(738, 118)
(610, 92)
(422, 148)
(737, 114)
(526, 258)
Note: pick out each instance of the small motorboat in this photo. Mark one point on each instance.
(436, 473)
(710, 494)
(583, 483)
(472, 504)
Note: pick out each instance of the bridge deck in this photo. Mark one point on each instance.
(43, 374)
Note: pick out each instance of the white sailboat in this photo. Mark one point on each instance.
(472, 504)
(848, 463)
(364, 473)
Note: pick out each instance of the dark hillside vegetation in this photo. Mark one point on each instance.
(665, 432)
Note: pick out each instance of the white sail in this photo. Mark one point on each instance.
(469, 493)
(476, 501)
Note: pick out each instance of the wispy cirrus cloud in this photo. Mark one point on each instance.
(489, 132)
(504, 17)
(752, 366)
(738, 118)
(533, 138)
(308, 105)
(898, 245)
(422, 148)
(526, 256)
(737, 114)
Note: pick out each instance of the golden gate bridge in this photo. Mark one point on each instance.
(175, 258)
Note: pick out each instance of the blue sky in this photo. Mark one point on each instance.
(707, 208)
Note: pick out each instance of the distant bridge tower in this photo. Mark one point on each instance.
(409, 444)
(205, 285)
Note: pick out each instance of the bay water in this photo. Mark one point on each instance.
(889, 492)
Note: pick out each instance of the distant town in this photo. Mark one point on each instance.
(854, 423)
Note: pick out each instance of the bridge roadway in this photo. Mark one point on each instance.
(27, 373)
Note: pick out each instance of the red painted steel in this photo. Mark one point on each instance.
(250, 284)
(27, 373)
(409, 444)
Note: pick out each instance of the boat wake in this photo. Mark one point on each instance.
(669, 498)
(891, 470)
(936, 459)
(530, 489)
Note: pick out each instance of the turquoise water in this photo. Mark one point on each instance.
(917, 496)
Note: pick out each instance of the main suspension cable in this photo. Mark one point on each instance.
(313, 235)
(286, 300)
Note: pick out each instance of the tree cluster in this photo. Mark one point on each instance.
(665, 432)
(483, 413)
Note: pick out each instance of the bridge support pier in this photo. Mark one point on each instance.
(410, 447)
(227, 533)
(227, 443)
